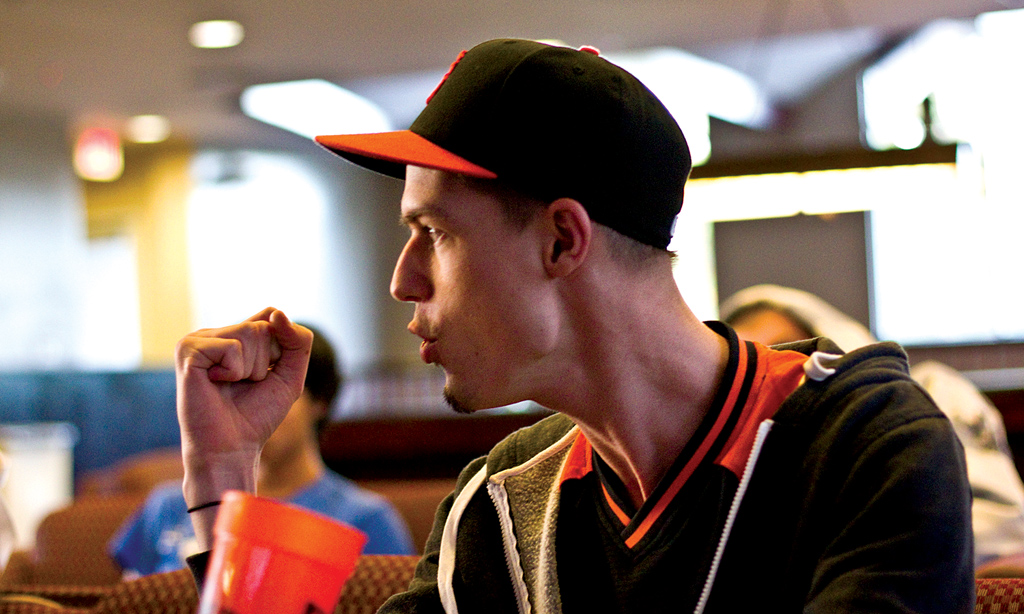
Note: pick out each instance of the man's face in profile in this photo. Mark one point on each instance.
(474, 279)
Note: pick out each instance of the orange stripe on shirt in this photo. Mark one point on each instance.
(698, 456)
(778, 375)
(621, 515)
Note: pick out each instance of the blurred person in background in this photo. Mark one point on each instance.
(159, 536)
(771, 315)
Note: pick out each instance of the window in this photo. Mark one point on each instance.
(256, 237)
(943, 260)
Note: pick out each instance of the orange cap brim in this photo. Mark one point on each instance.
(403, 147)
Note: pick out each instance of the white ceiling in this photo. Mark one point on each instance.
(89, 61)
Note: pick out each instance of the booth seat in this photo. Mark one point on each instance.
(999, 595)
(375, 579)
(71, 545)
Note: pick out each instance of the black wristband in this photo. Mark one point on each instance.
(203, 506)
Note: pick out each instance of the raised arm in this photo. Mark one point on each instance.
(234, 387)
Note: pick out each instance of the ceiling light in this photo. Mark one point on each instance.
(216, 34)
(312, 107)
(148, 128)
(98, 155)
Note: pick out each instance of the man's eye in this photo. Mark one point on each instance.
(435, 234)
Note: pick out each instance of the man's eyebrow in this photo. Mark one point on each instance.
(413, 216)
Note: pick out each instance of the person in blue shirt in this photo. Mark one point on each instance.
(159, 536)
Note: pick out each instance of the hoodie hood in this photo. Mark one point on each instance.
(820, 318)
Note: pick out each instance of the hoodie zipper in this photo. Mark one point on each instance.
(515, 568)
(748, 469)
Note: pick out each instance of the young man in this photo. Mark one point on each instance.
(685, 470)
(159, 536)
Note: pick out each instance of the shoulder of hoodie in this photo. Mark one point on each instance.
(870, 384)
(518, 447)
(527, 442)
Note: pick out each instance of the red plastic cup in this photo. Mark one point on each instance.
(271, 557)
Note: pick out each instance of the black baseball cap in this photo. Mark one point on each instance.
(551, 122)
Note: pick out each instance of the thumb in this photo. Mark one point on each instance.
(295, 342)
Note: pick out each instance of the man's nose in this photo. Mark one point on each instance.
(410, 280)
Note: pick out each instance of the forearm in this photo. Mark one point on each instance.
(206, 480)
(234, 387)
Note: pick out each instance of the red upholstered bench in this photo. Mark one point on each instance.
(375, 579)
(999, 595)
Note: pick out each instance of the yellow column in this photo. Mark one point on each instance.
(150, 204)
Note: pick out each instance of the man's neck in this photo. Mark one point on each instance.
(282, 478)
(642, 433)
(639, 381)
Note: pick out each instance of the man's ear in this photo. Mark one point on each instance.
(571, 232)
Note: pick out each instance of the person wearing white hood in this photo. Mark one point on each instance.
(772, 314)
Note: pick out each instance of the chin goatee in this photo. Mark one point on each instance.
(456, 405)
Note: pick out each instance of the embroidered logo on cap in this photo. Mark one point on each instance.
(446, 75)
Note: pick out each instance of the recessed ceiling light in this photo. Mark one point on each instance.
(148, 128)
(216, 34)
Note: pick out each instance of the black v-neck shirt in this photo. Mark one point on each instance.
(612, 557)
